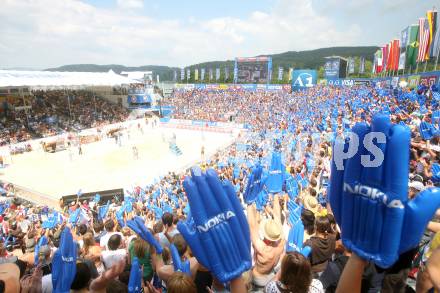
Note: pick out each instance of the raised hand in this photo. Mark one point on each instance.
(220, 238)
(178, 265)
(138, 226)
(99, 284)
(370, 204)
(295, 241)
(254, 184)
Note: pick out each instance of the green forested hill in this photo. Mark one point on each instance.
(313, 59)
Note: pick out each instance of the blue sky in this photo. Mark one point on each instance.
(179, 33)
(196, 8)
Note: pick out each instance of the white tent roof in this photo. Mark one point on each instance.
(55, 78)
(138, 75)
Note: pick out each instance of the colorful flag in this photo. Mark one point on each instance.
(280, 72)
(432, 23)
(217, 73)
(378, 61)
(362, 64)
(413, 45)
(182, 74)
(402, 59)
(396, 54)
(350, 65)
(374, 67)
(188, 74)
(435, 47)
(210, 74)
(175, 75)
(202, 74)
(226, 73)
(386, 55)
(423, 39)
(404, 39)
(196, 74)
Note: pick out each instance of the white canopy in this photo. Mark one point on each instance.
(55, 78)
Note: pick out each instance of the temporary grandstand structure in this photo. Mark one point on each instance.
(15, 78)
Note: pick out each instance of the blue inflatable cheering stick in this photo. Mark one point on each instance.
(64, 263)
(220, 238)
(369, 198)
(135, 280)
(275, 179)
(294, 212)
(138, 226)
(295, 241)
(178, 265)
(254, 184)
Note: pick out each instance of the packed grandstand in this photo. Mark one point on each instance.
(330, 186)
(299, 126)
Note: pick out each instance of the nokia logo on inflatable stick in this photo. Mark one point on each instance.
(67, 258)
(374, 194)
(220, 218)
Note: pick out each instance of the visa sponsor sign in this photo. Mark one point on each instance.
(341, 82)
(302, 79)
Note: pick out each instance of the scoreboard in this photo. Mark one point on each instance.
(253, 69)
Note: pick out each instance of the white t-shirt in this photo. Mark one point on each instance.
(104, 239)
(274, 287)
(110, 257)
(46, 284)
(163, 240)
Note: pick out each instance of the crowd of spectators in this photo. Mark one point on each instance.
(302, 126)
(51, 112)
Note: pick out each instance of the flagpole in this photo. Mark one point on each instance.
(417, 67)
(436, 62)
(426, 63)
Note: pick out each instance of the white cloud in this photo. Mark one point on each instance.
(53, 33)
(130, 4)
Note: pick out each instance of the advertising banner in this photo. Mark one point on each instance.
(413, 80)
(362, 65)
(341, 82)
(233, 87)
(280, 73)
(428, 80)
(395, 82)
(331, 69)
(302, 79)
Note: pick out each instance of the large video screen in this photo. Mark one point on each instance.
(253, 70)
